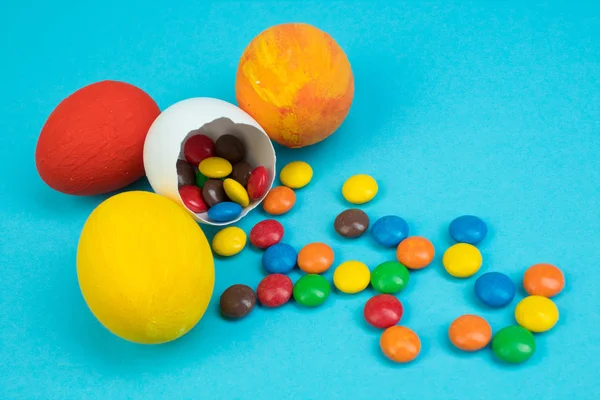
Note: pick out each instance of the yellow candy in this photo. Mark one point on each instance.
(296, 174)
(229, 241)
(536, 313)
(351, 277)
(462, 260)
(236, 192)
(360, 189)
(215, 167)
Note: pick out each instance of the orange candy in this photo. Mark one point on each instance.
(280, 200)
(315, 258)
(543, 280)
(400, 344)
(470, 332)
(415, 252)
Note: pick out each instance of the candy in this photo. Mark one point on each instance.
(400, 344)
(236, 192)
(215, 167)
(280, 200)
(224, 212)
(536, 313)
(191, 196)
(258, 183)
(311, 290)
(185, 173)
(415, 252)
(229, 241)
(230, 148)
(315, 258)
(266, 233)
(274, 290)
(237, 301)
(200, 179)
(279, 258)
(468, 229)
(213, 192)
(197, 148)
(495, 289)
(383, 311)
(351, 223)
(359, 189)
(470, 333)
(296, 174)
(241, 172)
(513, 344)
(389, 277)
(543, 280)
(462, 260)
(390, 230)
(351, 277)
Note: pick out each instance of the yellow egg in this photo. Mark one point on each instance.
(215, 167)
(536, 313)
(229, 241)
(351, 277)
(360, 189)
(144, 267)
(296, 174)
(236, 192)
(462, 260)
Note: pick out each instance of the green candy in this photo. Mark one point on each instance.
(389, 277)
(200, 179)
(513, 344)
(311, 290)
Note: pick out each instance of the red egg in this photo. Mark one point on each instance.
(93, 141)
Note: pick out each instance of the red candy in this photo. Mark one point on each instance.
(274, 290)
(197, 148)
(383, 311)
(266, 233)
(191, 195)
(258, 183)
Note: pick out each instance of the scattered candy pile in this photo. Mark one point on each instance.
(512, 344)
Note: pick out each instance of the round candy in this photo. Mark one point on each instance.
(258, 183)
(495, 289)
(536, 313)
(311, 290)
(185, 173)
(351, 277)
(462, 260)
(241, 172)
(280, 200)
(236, 192)
(470, 332)
(468, 229)
(215, 167)
(274, 290)
(230, 148)
(200, 179)
(383, 311)
(389, 277)
(296, 174)
(315, 258)
(266, 233)
(513, 344)
(359, 189)
(213, 192)
(351, 223)
(279, 258)
(390, 230)
(229, 241)
(415, 252)
(225, 211)
(400, 344)
(237, 301)
(191, 196)
(543, 280)
(197, 148)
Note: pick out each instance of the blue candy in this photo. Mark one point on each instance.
(495, 289)
(390, 230)
(279, 258)
(468, 229)
(225, 211)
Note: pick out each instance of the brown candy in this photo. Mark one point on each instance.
(185, 173)
(351, 223)
(237, 301)
(213, 192)
(230, 148)
(241, 172)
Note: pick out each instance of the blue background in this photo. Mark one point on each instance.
(489, 108)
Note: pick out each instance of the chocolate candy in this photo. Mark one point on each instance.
(351, 223)
(225, 211)
(197, 148)
(237, 301)
(258, 183)
(274, 290)
(192, 198)
(185, 173)
(230, 148)
(241, 172)
(266, 233)
(200, 179)
(213, 192)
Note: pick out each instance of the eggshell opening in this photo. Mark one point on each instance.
(213, 118)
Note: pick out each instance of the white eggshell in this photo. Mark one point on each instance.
(214, 117)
